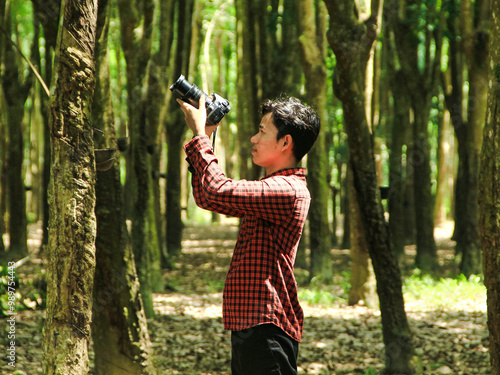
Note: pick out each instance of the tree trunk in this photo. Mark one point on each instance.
(313, 28)
(248, 89)
(397, 181)
(351, 41)
(426, 258)
(420, 85)
(362, 276)
(159, 81)
(475, 45)
(442, 168)
(3, 179)
(489, 197)
(47, 12)
(72, 226)
(16, 89)
(119, 326)
(137, 50)
(176, 128)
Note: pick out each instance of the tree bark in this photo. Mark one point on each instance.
(247, 86)
(474, 38)
(158, 83)
(72, 226)
(176, 129)
(3, 188)
(48, 15)
(397, 180)
(362, 276)
(137, 50)
(119, 327)
(313, 53)
(16, 88)
(489, 197)
(351, 41)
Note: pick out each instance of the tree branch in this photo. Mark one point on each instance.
(32, 67)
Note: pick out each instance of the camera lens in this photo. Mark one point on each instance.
(187, 92)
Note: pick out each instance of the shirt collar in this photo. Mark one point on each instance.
(301, 172)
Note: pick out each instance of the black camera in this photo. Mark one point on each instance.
(217, 106)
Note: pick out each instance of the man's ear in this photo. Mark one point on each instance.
(287, 142)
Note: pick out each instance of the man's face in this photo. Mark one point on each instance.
(265, 147)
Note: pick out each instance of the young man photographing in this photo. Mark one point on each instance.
(260, 303)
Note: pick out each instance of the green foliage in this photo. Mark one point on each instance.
(11, 292)
(428, 291)
(22, 24)
(326, 295)
(442, 292)
(317, 296)
(214, 286)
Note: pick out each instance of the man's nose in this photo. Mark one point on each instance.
(253, 139)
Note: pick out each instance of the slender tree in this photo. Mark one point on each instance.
(312, 21)
(362, 276)
(3, 148)
(158, 82)
(47, 13)
(119, 326)
(175, 128)
(16, 86)
(399, 127)
(473, 41)
(489, 187)
(136, 23)
(249, 96)
(421, 78)
(72, 226)
(351, 40)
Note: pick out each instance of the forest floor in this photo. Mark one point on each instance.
(188, 335)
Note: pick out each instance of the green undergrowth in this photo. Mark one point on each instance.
(443, 292)
(431, 292)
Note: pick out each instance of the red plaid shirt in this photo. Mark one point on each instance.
(260, 285)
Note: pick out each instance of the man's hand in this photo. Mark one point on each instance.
(196, 118)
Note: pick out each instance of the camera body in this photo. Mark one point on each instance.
(216, 105)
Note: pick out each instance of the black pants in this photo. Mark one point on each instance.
(263, 349)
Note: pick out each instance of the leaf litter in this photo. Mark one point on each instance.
(188, 337)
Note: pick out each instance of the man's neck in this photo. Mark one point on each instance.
(274, 169)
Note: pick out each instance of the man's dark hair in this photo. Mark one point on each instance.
(291, 116)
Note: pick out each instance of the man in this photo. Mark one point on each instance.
(260, 303)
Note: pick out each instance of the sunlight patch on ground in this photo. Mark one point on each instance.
(197, 306)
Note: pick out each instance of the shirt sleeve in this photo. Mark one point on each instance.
(198, 192)
(271, 198)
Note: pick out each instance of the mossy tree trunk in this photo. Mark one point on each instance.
(72, 225)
